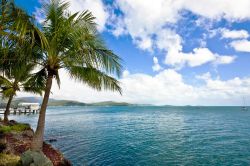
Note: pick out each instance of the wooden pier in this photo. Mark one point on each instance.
(23, 108)
(15, 111)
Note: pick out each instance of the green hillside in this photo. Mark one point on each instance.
(54, 102)
(110, 103)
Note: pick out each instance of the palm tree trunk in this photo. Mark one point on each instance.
(7, 110)
(37, 142)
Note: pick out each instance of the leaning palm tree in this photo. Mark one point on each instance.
(75, 46)
(19, 78)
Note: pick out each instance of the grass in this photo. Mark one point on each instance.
(9, 160)
(15, 127)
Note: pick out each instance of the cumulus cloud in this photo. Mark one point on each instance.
(150, 24)
(145, 17)
(241, 45)
(167, 39)
(198, 57)
(230, 10)
(234, 34)
(156, 66)
(166, 87)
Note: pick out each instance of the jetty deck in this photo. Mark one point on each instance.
(20, 111)
(23, 108)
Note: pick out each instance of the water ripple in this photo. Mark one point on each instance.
(149, 135)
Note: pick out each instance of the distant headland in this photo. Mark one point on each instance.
(56, 102)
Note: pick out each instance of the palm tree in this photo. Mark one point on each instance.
(20, 39)
(19, 78)
(75, 46)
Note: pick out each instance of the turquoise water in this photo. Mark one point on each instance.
(149, 135)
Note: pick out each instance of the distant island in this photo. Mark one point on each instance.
(55, 102)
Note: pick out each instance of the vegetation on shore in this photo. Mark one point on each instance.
(15, 140)
(55, 102)
(14, 128)
(9, 160)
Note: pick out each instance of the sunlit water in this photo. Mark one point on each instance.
(149, 135)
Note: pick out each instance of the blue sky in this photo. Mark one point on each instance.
(177, 52)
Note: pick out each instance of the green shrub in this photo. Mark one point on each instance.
(20, 127)
(5, 129)
(15, 127)
(9, 160)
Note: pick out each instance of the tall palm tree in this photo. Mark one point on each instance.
(19, 78)
(75, 46)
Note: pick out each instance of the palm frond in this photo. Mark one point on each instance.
(36, 82)
(4, 82)
(94, 78)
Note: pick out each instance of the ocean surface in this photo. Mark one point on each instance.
(145, 136)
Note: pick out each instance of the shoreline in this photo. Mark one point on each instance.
(15, 139)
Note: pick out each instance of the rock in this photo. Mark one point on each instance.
(65, 162)
(12, 122)
(26, 158)
(52, 140)
(28, 133)
(16, 135)
(41, 159)
(33, 158)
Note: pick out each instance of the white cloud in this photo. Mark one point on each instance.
(241, 45)
(149, 22)
(234, 34)
(156, 66)
(144, 43)
(205, 76)
(224, 59)
(167, 39)
(167, 87)
(143, 19)
(198, 57)
(125, 73)
(213, 9)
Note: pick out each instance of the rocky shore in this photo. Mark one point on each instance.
(15, 139)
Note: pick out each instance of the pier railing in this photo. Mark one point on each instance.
(20, 111)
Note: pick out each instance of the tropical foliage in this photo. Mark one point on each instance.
(18, 46)
(19, 78)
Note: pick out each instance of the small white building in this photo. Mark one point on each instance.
(31, 106)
